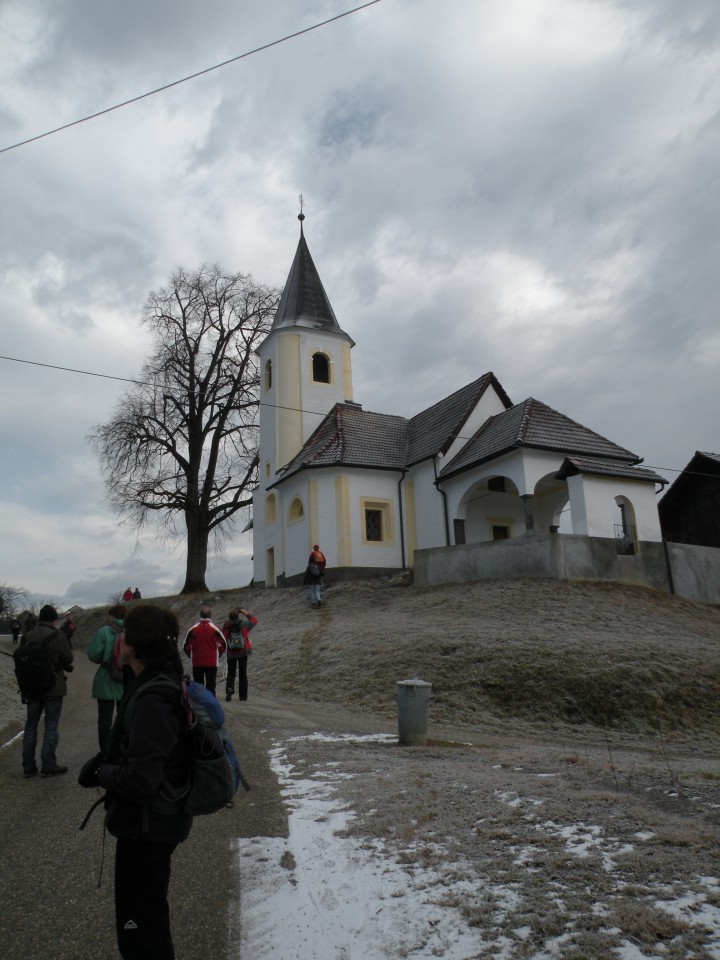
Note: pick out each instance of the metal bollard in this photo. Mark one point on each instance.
(412, 701)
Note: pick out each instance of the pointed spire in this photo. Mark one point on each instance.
(304, 302)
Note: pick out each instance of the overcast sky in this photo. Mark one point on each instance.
(530, 187)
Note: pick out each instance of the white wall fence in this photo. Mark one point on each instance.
(688, 571)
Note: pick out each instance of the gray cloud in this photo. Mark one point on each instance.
(529, 189)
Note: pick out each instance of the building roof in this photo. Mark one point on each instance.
(536, 425)
(433, 431)
(700, 462)
(607, 468)
(304, 302)
(350, 436)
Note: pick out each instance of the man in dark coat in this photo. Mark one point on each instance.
(50, 703)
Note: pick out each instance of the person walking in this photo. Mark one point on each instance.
(107, 685)
(204, 643)
(136, 594)
(50, 702)
(148, 748)
(68, 628)
(127, 596)
(314, 574)
(236, 631)
(15, 627)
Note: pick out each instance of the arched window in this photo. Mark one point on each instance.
(270, 508)
(320, 368)
(268, 374)
(296, 511)
(626, 531)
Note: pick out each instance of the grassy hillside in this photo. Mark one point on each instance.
(606, 654)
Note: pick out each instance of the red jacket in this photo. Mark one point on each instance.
(204, 643)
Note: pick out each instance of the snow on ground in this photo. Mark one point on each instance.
(322, 895)
(339, 898)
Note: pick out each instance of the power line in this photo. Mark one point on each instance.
(276, 406)
(192, 76)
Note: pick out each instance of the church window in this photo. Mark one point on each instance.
(500, 532)
(268, 375)
(270, 508)
(296, 510)
(373, 525)
(377, 520)
(320, 368)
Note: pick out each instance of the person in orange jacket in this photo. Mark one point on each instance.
(314, 574)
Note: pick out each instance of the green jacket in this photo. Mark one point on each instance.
(101, 647)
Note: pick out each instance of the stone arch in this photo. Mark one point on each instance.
(626, 528)
(490, 509)
(549, 503)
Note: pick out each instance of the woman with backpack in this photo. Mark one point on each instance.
(236, 630)
(107, 686)
(148, 751)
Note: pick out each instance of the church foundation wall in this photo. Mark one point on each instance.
(688, 571)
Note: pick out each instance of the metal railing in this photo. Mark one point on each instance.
(625, 540)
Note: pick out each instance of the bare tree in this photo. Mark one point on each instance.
(11, 599)
(183, 442)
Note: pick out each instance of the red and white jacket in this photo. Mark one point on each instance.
(204, 643)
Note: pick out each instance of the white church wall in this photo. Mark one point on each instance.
(595, 511)
(319, 398)
(374, 490)
(429, 512)
(488, 406)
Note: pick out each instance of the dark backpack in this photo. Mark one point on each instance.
(215, 773)
(235, 640)
(35, 669)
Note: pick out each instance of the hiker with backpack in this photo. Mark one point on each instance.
(107, 685)
(147, 757)
(41, 661)
(204, 643)
(314, 574)
(236, 630)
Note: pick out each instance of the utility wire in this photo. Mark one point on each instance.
(192, 76)
(277, 406)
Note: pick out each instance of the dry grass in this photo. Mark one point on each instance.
(616, 657)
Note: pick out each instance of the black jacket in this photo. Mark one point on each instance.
(148, 749)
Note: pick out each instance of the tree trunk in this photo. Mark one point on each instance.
(197, 549)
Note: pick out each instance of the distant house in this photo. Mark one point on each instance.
(690, 509)
(374, 488)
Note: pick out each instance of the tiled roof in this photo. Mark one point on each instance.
(304, 301)
(701, 461)
(607, 468)
(352, 437)
(432, 431)
(534, 424)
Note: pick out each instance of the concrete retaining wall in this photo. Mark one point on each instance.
(692, 572)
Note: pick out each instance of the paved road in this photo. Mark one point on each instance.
(50, 904)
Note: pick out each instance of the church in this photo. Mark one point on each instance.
(372, 489)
